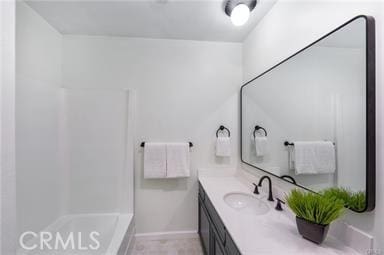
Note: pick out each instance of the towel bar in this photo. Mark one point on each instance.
(143, 144)
(286, 143)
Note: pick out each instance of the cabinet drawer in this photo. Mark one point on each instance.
(215, 218)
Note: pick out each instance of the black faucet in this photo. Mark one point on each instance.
(256, 190)
(278, 205)
(270, 197)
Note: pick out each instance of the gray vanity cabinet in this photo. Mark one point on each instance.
(230, 246)
(204, 228)
(218, 248)
(213, 235)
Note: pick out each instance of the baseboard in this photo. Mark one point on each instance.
(167, 235)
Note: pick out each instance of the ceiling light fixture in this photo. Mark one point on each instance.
(239, 10)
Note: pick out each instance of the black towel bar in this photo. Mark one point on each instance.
(286, 143)
(143, 144)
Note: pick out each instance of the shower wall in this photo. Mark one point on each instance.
(96, 134)
(72, 145)
(38, 79)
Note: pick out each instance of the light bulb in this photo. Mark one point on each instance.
(240, 15)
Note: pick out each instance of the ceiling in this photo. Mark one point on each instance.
(202, 20)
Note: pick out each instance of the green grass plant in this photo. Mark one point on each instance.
(314, 207)
(352, 200)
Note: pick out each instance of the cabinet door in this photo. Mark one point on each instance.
(230, 246)
(215, 219)
(218, 248)
(204, 229)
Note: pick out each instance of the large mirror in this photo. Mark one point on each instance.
(311, 118)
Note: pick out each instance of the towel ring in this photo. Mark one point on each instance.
(222, 128)
(257, 128)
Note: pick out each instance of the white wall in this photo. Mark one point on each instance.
(38, 79)
(290, 26)
(184, 91)
(7, 128)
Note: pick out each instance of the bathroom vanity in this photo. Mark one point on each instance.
(229, 229)
(215, 238)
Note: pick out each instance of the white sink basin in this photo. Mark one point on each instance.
(246, 203)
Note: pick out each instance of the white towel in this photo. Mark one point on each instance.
(155, 164)
(178, 160)
(291, 157)
(315, 157)
(223, 146)
(261, 145)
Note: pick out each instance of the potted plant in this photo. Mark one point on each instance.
(314, 213)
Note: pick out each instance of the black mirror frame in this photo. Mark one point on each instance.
(370, 110)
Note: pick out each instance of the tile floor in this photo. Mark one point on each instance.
(190, 246)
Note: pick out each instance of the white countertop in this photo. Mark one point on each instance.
(271, 233)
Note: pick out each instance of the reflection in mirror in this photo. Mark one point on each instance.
(306, 117)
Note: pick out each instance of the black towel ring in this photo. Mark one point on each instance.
(257, 128)
(222, 128)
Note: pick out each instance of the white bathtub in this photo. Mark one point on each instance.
(114, 234)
